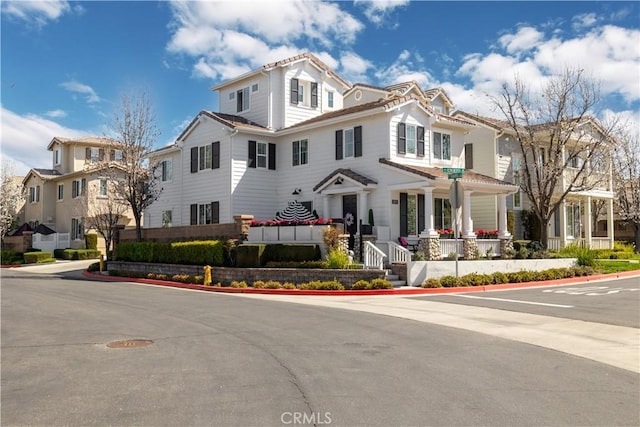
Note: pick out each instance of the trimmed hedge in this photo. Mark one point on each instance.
(91, 241)
(11, 257)
(37, 257)
(199, 252)
(76, 254)
(259, 255)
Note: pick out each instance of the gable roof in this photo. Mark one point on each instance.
(229, 120)
(306, 56)
(88, 140)
(355, 176)
(44, 174)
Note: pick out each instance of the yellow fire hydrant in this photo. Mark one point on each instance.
(207, 275)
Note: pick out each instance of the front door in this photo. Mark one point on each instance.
(350, 215)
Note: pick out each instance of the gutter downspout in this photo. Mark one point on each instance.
(233, 133)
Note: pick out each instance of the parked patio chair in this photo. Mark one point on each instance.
(405, 244)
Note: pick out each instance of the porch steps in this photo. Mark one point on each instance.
(395, 279)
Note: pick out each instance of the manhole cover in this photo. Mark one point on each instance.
(129, 343)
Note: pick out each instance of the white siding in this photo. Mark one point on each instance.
(170, 198)
(259, 101)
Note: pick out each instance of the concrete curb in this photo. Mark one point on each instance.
(410, 291)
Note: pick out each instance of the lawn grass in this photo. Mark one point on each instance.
(615, 266)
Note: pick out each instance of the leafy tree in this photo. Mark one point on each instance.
(135, 130)
(11, 198)
(626, 176)
(564, 148)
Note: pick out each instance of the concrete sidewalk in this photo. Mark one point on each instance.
(60, 266)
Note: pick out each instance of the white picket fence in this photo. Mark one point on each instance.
(50, 242)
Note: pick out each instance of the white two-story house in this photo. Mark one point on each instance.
(294, 130)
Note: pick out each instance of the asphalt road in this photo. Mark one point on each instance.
(226, 360)
(612, 302)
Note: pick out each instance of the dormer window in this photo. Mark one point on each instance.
(304, 93)
(57, 156)
(330, 99)
(243, 100)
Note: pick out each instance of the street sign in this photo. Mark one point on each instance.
(454, 175)
(453, 170)
(456, 194)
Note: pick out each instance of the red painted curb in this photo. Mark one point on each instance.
(11, 266)
(369, 292)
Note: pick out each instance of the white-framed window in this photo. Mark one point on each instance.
(330, 99)
(166, 218)
(204, 214)
(516, 168)
(205, 157)
(77, 229)
(117, 155)
(304, 93)
(167, 170)
(442, 213)
(575, 162)
(573, 220)
(300, 151)
(243, 99)
(441, 146)
(102, 189)
(348, 142)
(232, 96)
(261, 154)
(34, 194)
(95, 155)
(411, 139)
(78, 188)
(60, 191)
(254, 87)
(57, 156)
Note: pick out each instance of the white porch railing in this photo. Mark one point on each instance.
(373, 257)
(448, 246)
(489, 246)
(600, 243)
(397, 253)
(554, 244)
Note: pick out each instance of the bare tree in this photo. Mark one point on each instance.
(11, 198)
(105, 208)
(135, 130)
(626, 175)
(563, 147)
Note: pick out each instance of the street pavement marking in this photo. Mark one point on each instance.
(516, 301)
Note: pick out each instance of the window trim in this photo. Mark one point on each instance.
(60, 193)
(243, 99)
(102, 194)
(166, 172)
(297, 152)
(439, 154)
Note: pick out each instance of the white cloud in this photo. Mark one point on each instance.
(354, 67)
(405, 69)
(377, 11)
(228, 37)
(82, 89)
(25, 139)
(56, 114)
(525, 39)
(38, 13)
(583, 21)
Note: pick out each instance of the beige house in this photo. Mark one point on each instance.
(76, 187)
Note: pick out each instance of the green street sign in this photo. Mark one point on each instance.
(455, 175)
(453, 170)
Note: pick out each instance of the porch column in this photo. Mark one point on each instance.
(467, 226)
(586, 221)
(563, 224)
(610, 223)
(364, 208)
(429, 230)
(503, 232)
(325, 206)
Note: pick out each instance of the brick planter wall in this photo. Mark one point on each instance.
(226, 275)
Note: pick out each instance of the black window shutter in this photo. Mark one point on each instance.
(402, 138)
(87, 153)
(338, 145)
(294, 91)
(215, 212)
(295, 149)
(314, 94)
(239, 101)
(215, 155)
(272, 157)
(112, 155)
(252, 154)
(403, 215)
(420, 137)
(420, 213)
(194, 214)
(357, 141)
(101, 154)
(468, 156)
(194, 159)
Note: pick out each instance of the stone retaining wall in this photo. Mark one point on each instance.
(226, 275)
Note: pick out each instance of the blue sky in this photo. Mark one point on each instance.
(65, 64)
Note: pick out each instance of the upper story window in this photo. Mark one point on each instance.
(204, 157)
(574, 161)
(300, 152)
(410, 139)
(167, 170)
(262, 155)
(330, 99)
(349, 143)
(243, 99)
(34, 194)
(94, 155)
(441, 146)
(516, 166)
(60, 191)
(304, 93)
(115, 155)
(102, 190)
(57, 156)
(78, 188)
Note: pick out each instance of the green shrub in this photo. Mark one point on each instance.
(360, 285)
(291, 252)
(91, 241)
(337, 259)
(431, 283)
(450, 281)
(272, 284)
(236, 284)
(288, 285)
(199, 252)
(379, 283)
(499, 278)
(330, 285)
(258, 284)
(11, 257)
(249, 255)
(37, 257)
(586, 257)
